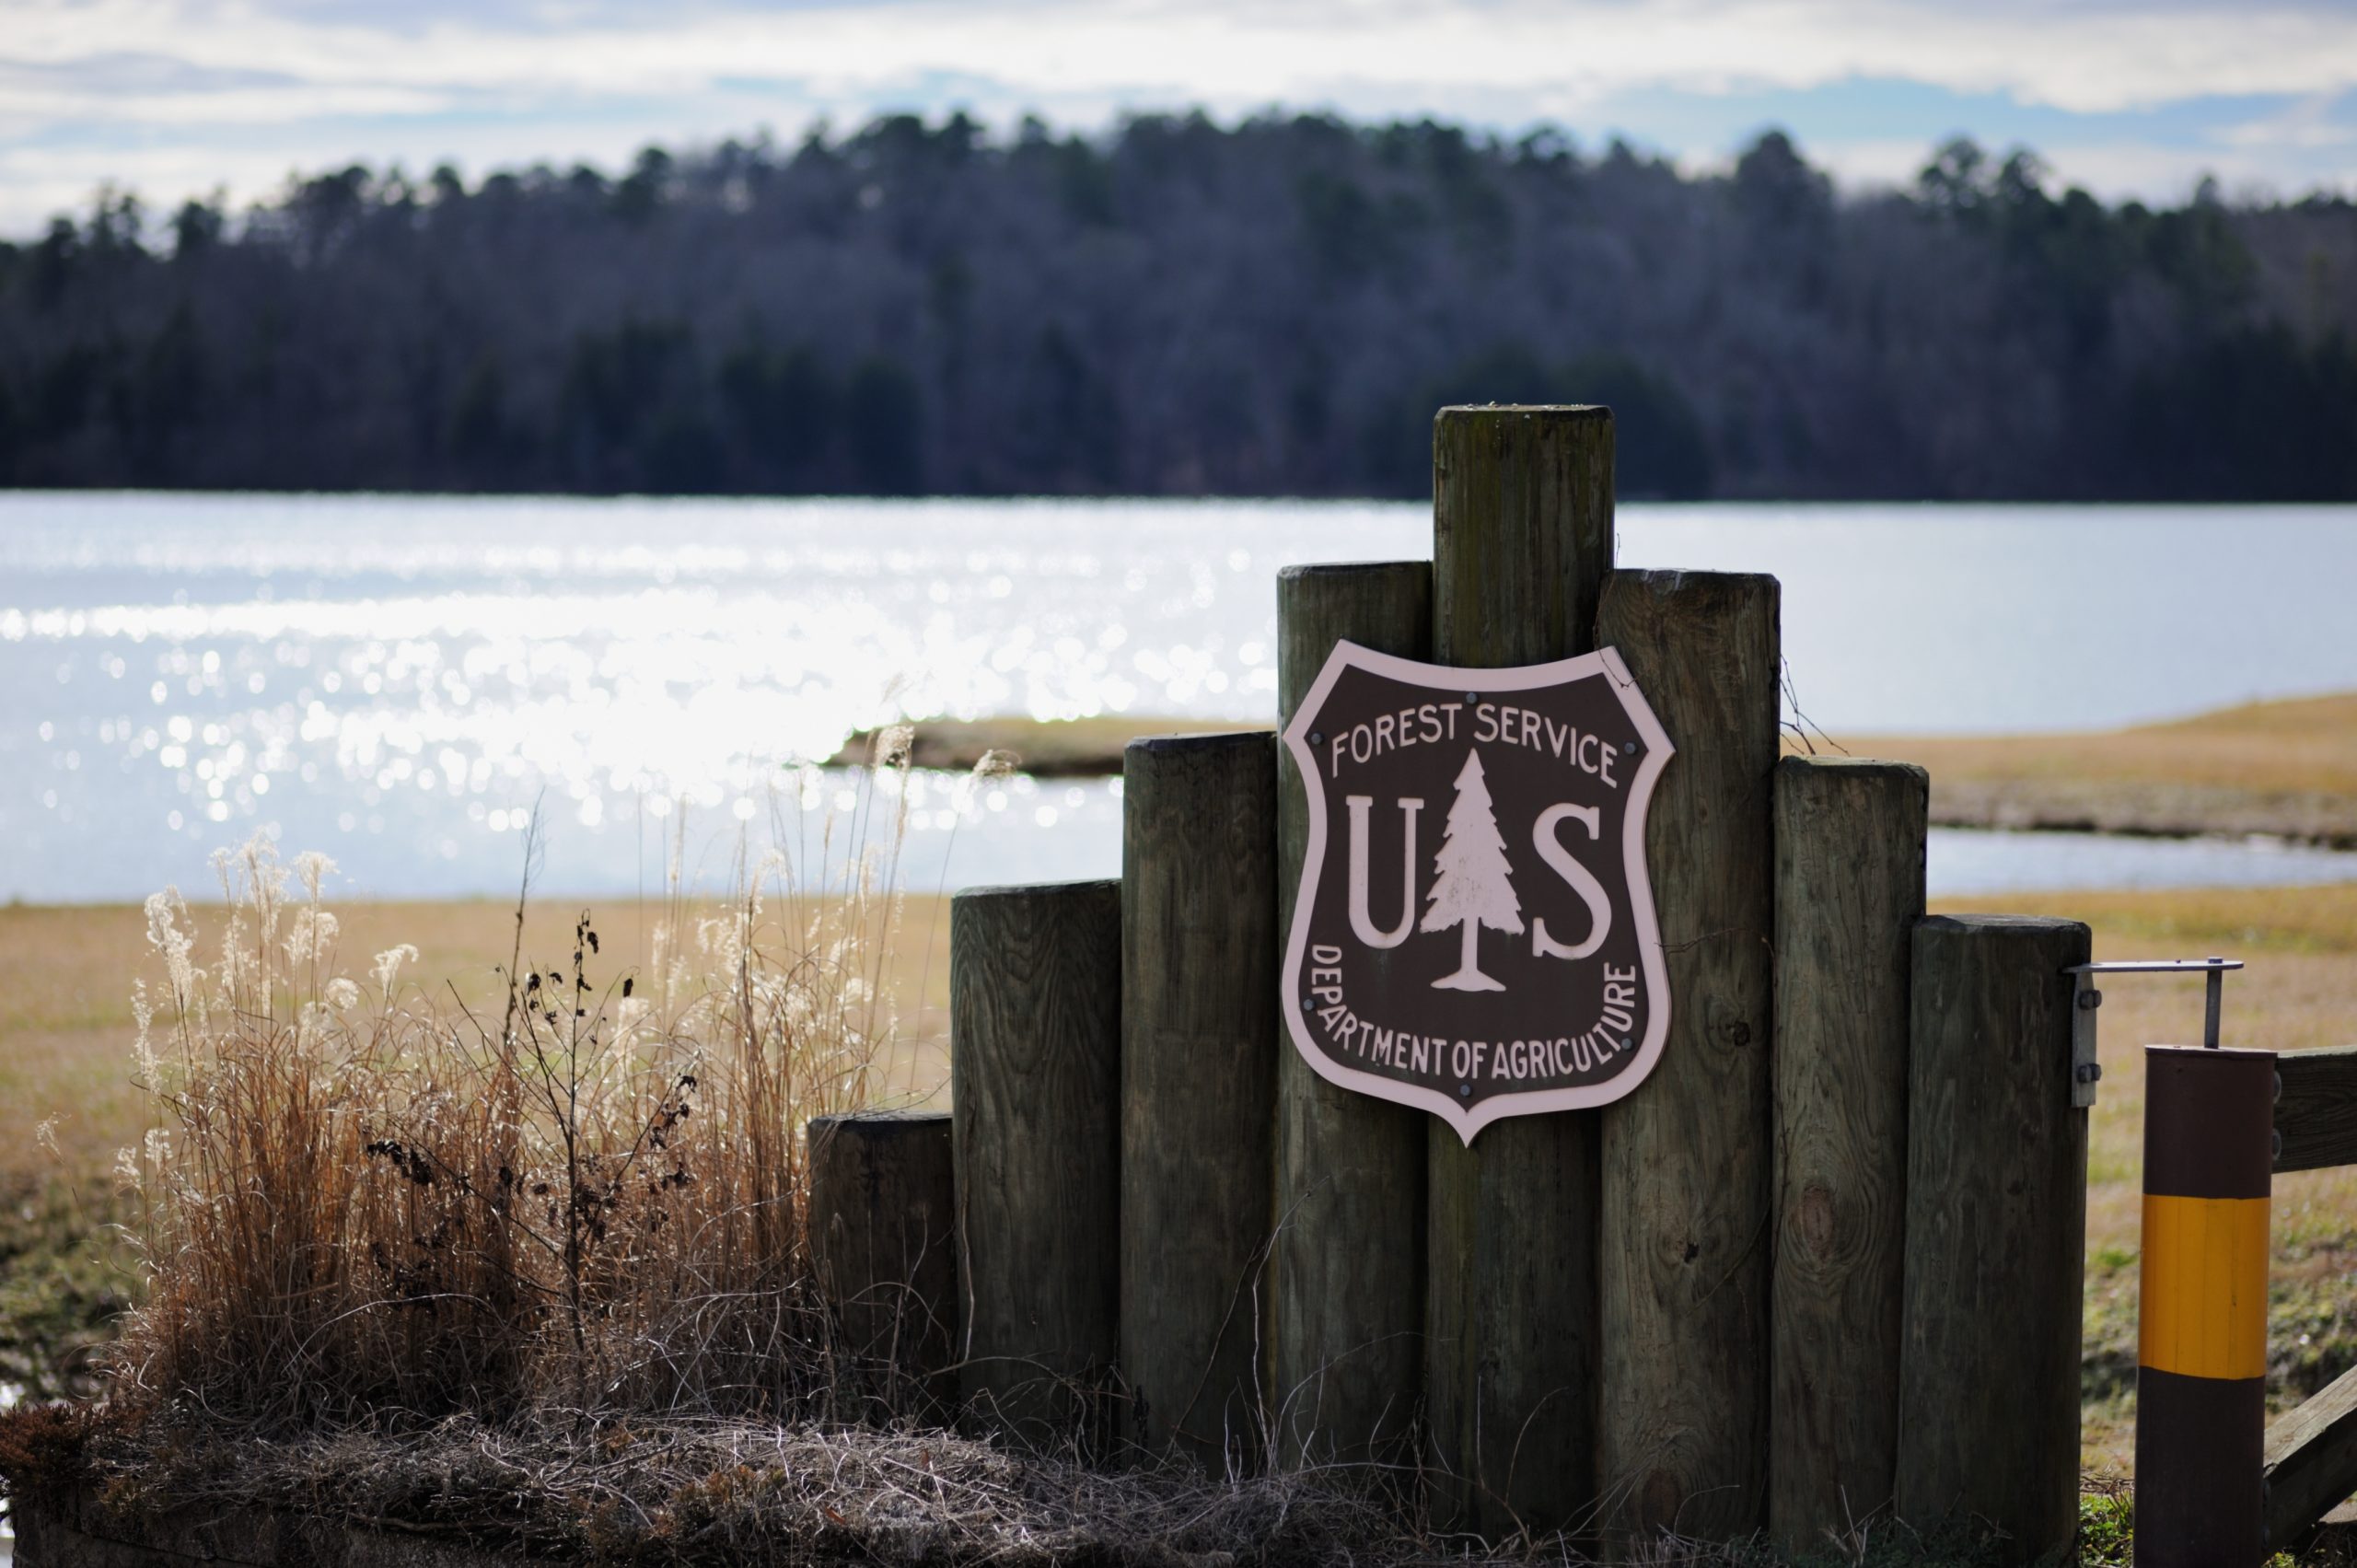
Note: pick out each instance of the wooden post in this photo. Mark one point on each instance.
(1522, 541)
(1996, 1224)
(1199, 1085)
(1035, 1023)
(1347, 1338)
(1684, 1261)
(883, 1245)
(1522, 532)
(1848, 891)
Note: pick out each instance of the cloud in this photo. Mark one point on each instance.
(2084, 57)
(326, 80)
(2312, 122)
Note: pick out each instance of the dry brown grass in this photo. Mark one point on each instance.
(742, 1492)
(568, 1181)
(65, 999)
(2306, 746)
(2285, 767)
(673, 1489)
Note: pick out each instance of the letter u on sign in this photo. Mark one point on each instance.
(1363, 925)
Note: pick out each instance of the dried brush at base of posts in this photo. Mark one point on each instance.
(756, 1492)
(586, 1192)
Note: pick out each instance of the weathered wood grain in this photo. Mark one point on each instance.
(1685, 1246)
(1849, 890)
(1522, 532)
(883, 1245)
(1996, 1224)
(1347, 1319)
(1035, 1020)
(1198, 1086)
(2311, 1463)
(1522, 541)
(2318, 1112)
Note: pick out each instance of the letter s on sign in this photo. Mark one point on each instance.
(1591, 891)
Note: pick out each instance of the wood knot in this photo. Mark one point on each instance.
(1739, 1033)
(1692, 1252)
(1816, 1220)
(1659, 1500)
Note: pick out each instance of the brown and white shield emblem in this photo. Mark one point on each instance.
(1474, 932)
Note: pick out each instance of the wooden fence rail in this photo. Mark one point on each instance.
(2316, 1113)
(2311, 1456)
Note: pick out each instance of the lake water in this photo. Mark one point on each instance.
(397, 680)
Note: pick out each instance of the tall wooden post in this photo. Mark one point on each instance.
(1198, 1065)
(1347, 1315)
(1685, 1252)
(1996, 1226)
(883, 1245)
(1522, 541)
(1035, 1063)
(1848, 891)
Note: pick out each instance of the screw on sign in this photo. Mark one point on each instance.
(1475, 932)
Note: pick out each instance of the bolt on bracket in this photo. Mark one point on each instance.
(2085, 1071)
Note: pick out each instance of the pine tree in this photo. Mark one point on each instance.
(1473, 885)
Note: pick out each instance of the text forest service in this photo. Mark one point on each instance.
(1475, 932)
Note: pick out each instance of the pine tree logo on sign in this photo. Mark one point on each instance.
(1474, 931)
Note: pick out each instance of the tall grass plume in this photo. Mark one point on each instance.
(366, 1194)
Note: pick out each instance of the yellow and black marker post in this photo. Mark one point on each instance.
(2201, 1351)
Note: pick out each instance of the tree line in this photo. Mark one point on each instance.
(1183, 308)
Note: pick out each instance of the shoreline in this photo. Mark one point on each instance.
(1999, 808)
(2285, 771)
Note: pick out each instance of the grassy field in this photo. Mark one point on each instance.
(2287, 769)
(65, 1027)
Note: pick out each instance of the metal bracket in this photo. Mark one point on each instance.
(2085, 1071)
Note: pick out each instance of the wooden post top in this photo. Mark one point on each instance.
(1523, 411)
(1077, 885)
(1875, 765)
(1202, 740)
(862, 1120)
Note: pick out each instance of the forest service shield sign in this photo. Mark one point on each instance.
(1474, 932)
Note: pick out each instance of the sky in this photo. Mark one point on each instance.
(177, 97)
